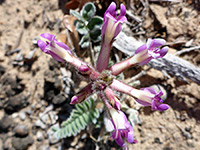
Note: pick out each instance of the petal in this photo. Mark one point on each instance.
(103, 30)
(56, 57)
(164, 51)
(118, 30)
(130, 135)
(144, 103)
(47, 36)
(42, 45)
(64, 46)
(119, 118)
(119, 140)
(149, 43)
(153, 54)
(145, 61)
(110, 16)
(123, 19)
(141, 49)
(122, 13)
(108, 124)
(150, 90)
(111, 9)
(156, 43)
(162, 107)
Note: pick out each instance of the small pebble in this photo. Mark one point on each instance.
(39, 136)
(21, 130)
(53, 117)
(29, 112)
(15, 115)
(22, 116)
(52, 139)
(40, 124)
(44, 117)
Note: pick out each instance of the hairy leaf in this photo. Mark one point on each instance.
(84, 114)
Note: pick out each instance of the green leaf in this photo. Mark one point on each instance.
(77, 15)
(95, 36)
(84, 41)
(94, 27)
(80, 27)
(88, 11)
(88, 113)
(95, 22)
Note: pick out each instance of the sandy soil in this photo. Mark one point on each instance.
(31, 82)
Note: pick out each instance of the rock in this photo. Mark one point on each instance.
(22, 143)
(53, 117)
(50, 132)
(16, 103)
(21, 130)
(6, 123)
(22, 116)
(44, 117)
(157, 140)
(59, 99)
(29, 111)
(52, 139)
(7, 144)
(40, 124)
(39, 136)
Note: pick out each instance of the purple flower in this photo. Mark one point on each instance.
(149, 51)
(149, 97)
(146, 96)
(122, 130)
(142, 55)
(112, 22)
(58, 50)
(110, 29)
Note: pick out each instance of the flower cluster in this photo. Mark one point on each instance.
(103, 79)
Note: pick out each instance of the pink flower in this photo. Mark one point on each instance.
(149, 97)
(112, 23)
(146, 96)
(145, 53)
(58, 50)
(122, 130)
(150, 50)
(111, 28)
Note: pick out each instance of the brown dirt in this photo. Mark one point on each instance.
(175, 129)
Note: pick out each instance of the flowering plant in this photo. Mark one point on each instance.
(103, 79)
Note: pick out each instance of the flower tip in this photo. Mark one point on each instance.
(47, 36)
(163, 107)
(164, 51)
(84, 68)
(123, 10)
(159, 41)
(74, 100)
(111, 8)
(41, 44)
